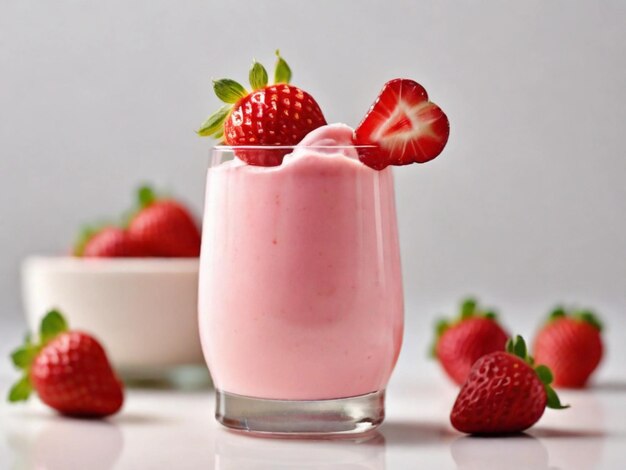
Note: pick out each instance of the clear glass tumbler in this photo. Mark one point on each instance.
(300, 295)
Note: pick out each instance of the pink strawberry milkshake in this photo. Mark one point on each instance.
(300, 287)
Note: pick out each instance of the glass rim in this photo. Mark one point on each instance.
(290, 147)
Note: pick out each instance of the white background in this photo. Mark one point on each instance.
(525, 208)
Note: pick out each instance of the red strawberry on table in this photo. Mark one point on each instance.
(504, 393)
(462, 342)
(164, 227)
(571, 345)
(108, 242)
(270, 115)
(404, 126)
(69, 370)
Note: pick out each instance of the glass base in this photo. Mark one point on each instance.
(347, 417)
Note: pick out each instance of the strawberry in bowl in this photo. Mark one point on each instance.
(160, 227)
(108, 242)
(163, 227)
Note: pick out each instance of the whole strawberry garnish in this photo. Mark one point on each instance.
(269, 115)
(164, 227)
(69, 370)
(571, 345)
(108, 242)
(404, 126)
(463, 341)
(504, 393)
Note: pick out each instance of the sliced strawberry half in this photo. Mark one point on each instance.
(404, 125)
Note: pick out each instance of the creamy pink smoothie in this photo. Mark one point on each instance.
(300, 287)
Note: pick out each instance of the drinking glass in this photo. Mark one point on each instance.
(300, 294)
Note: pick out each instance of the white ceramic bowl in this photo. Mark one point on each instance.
(144, 310)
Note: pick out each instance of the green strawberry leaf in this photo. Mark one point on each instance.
(146, 196)
(519, 347)
(558, 312)
(23, 356)
(490, 315)
(588, 316)
(440, 328)
(87, 232)
(229, 91)
(21, 390)
(545, 374)
(553, 399)
(214, 124)
(51, 325)
(468, 307)
(282, 72)
(258, 76)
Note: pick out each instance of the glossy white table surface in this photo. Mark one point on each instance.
(175, 430)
